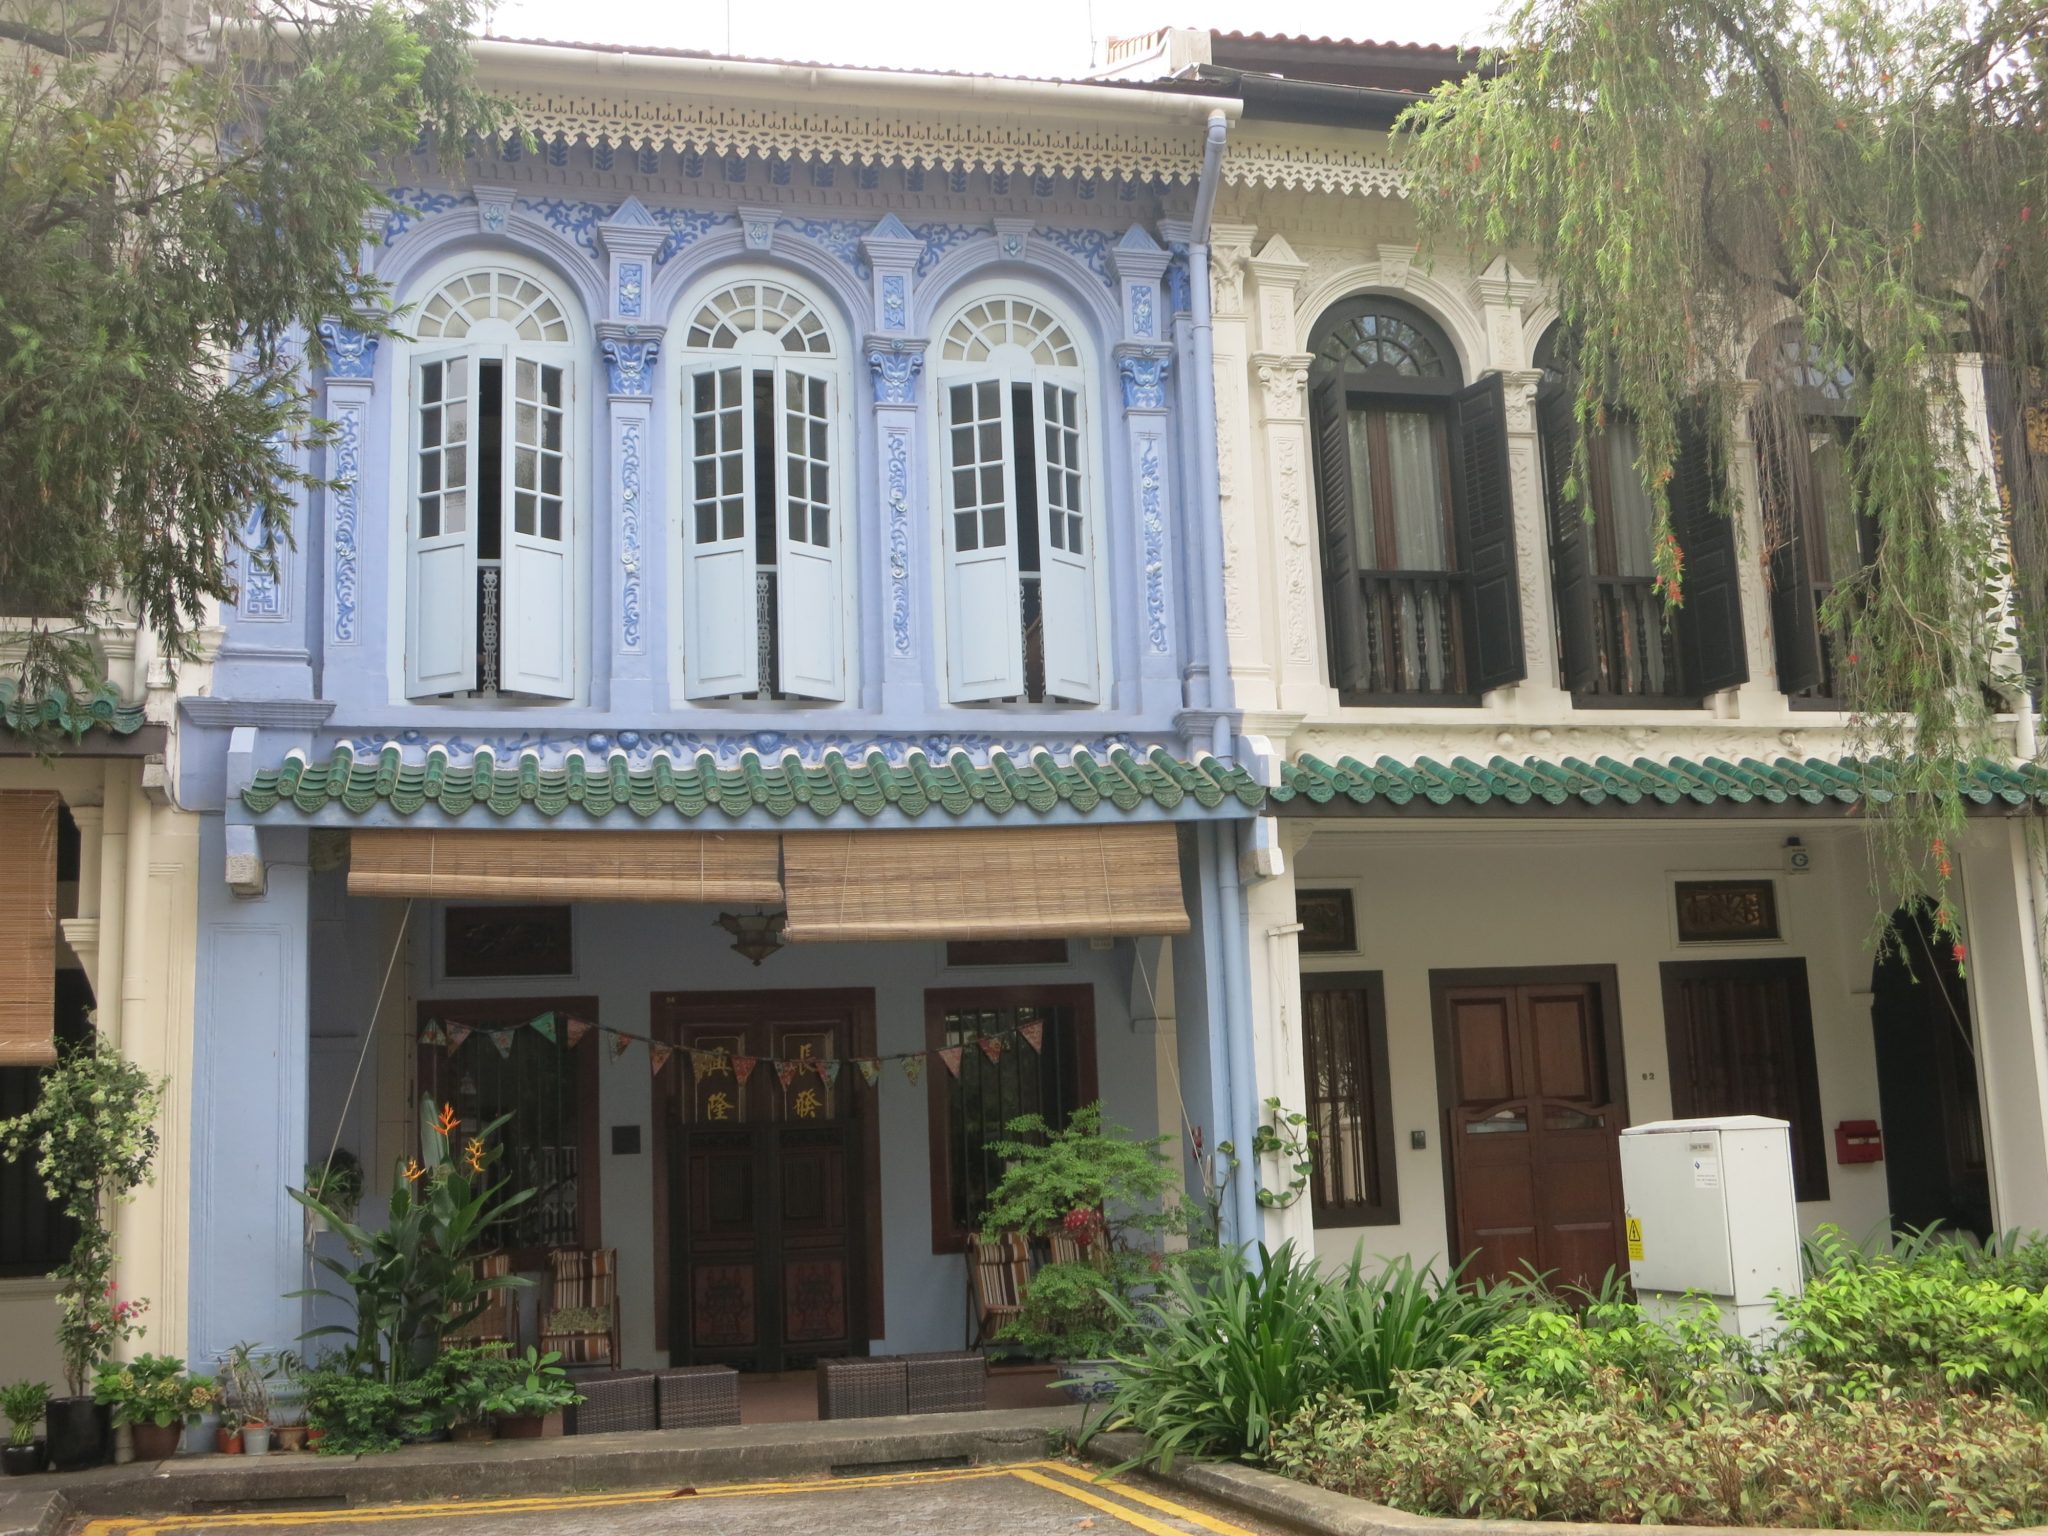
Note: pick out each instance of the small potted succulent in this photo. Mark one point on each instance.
(528, 1403)
(155, 1398)
(22, 1404)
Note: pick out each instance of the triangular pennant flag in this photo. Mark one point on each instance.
(705, 1064)
(544, 1026)
(743, 1068)
(620, 1045)
(657, 1057)
(1033, 1033)
(950, 1055)
(574, 1030)
(457, 1033)
(992, 1047)
(913, 1068)
(828, 1069)
(870, 1069)
(785, 1072)
(502, 1039)
(433, 1034)
(817, 1065)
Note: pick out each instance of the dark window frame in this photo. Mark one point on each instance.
(1384, 1208)
(35, 1235)
(483, 1014)
(949, 1236)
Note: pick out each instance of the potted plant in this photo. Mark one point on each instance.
(22, 1404)
(245, 1377)
(287, 1376)
(470, 1381)
(1109, 1194)
(92, 1136)
(349, 1413)
(335, 1184)
(528, 1404)
(155, 1398)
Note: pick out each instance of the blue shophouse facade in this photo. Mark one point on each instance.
(793, 493)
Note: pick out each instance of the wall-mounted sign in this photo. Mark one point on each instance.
(1725, 911)
(509, 941)
(1329, 926)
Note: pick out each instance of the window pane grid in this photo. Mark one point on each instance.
(538, 421)
(807, 460)
(443, 449)
(978, 450)
(1063, 467)
(718, 455)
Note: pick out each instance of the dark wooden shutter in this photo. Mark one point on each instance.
(1711, 653)
(1486, 534)
(1785, 493)
(1571, 556)
(1342, 558)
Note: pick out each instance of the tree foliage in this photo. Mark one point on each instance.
(174, 202)
(1694, 179)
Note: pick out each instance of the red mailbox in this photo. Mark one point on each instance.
(1859, 1141)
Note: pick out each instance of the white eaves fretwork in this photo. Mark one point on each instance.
(931, 142)
(1301, 165)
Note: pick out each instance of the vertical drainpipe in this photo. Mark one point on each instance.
(1230, 1032)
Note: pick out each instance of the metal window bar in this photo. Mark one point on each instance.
(1340, 1073)
(1637, 650)
(988, 1095)
(535, 1084)
(489, 626)
(1414, 639)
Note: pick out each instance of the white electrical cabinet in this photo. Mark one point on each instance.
(1711, 1213)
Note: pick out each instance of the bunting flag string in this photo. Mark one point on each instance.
(570, 1031)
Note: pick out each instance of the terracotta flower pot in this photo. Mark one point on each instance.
(315, 1433)
(470, 1432)
(290, 1437)
(228, 1441)
(156, 1442)
(529, 1426)
(81, 1433)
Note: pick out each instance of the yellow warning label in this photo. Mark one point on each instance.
(1635, 1238)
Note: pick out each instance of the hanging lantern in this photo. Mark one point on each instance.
(757, 935)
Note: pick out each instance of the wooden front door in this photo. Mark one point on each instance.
(767, 1161)
(1530, 1075)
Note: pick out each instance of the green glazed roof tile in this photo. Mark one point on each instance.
(71, 713)
(1307, 782)
(1124, 781)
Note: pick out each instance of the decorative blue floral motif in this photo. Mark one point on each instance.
(841, 237)
(415, 204)
(939, 239)
(629, 534)
(558, 152)
(1144, 382)
(769, 746)
(649, 160)
(1090, 246)
(896, 369)
(350, 354)
(1141, 311)
(632, 288)
(1179, 293)
(263, 565)
(1152, 521)
(602, 155)
(630, 363)
(899, 539)
(578, 221)
(348, 442)
(685, 226)
(895, 302)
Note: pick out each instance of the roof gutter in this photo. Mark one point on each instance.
(552, 68)
(1312, 101)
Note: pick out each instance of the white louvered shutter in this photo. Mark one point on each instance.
(440, 640)
(1065, 547)
(808, 537)
(721, 640)
(983, 618)
(537, 627)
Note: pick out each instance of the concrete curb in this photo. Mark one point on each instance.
(1319, 1512)
(510, 1468)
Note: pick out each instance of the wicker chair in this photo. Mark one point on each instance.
(498, 1323)
(581, 1321)
(697, 1396)
(862, 1389)
(619, 1400)
(998, 1269)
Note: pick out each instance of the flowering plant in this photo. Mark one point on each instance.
(154, 1389)
(93, 1134)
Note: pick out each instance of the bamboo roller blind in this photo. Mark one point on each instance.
(983, 882)
(28, 928)
(565, 866)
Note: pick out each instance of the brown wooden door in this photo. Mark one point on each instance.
(767, 1260)
(1531, 1115)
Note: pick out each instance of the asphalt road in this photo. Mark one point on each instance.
(1032, 1499)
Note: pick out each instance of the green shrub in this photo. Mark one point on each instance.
(154, 1389)
(1544, 1348)
(1793, 1455)
(22, 1404)
(356, 1414)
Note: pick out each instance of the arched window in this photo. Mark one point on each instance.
(1615, 638)
(1419, 582)
(763, 497)
(491, 520)
(1018, 497)
(1817, 536)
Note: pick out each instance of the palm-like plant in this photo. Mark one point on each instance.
(413, 1281)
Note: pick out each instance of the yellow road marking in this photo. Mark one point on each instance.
(1033, 1473)
(1126, 1490)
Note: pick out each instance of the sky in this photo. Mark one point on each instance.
(1045, 37)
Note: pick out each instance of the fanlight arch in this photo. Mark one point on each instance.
(759, 316)
(985, 327)
(492, 299)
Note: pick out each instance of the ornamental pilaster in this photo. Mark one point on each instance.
(351, 389)
(895, 366)
(1276, 274)
(893, 253)
(1532, 527)
(1248, 606)
(1230, 253)
(630, 239)
(1280, 395)
(623, 542)
(1143, 372)
(1139, 265)
(1503, 293)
